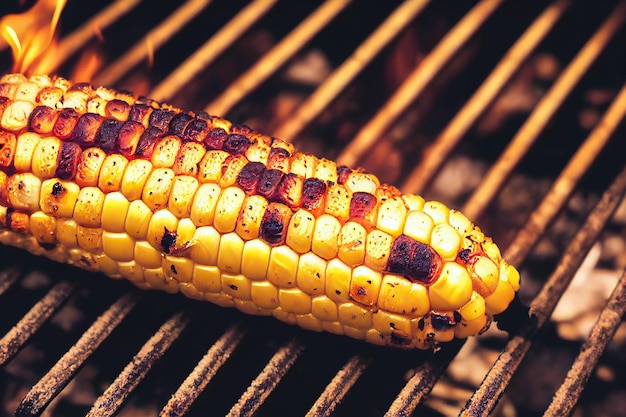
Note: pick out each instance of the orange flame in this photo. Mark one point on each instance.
(31, 36)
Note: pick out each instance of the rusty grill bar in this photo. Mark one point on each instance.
(218, 362)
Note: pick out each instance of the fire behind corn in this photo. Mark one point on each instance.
(191, 203)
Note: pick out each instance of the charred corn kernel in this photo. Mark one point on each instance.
(324, 309)
(446, 241)
(161, 230)
(165, 151)
(181, 196)
(131, 271)
(338, 202)
(89, 238)
(227, 209)
(112, 172)
(66, 232)
(338, 281)
(398, 295)
(264, 294)
(177, 268)
(88, 209)
(250, 217)
(352, 243)
(453, 288)
(118, 246)
(471, 328)
(25, 147)
(255, 259)
(311, 275)
(438, 211)
(484, 273)
(474, 308)
(210, 167)
(146, 255)
(309, 322)
(207, 279)
(205, 246)
(237, 286)
(392, 216)
(88, 170)
(300, 232)
(204, 203)
(365, 285)
(114, 211)
(156, 191)
(15, 116)
(58, 197)
(388, 323)
(293, 300)
(355, 316)
(326, 236)
(158, 280)
(43, 227)
(230, 253)
(135, 178)
(283, 266)
(220, 299)
(419, 226)
(377, 249)
(23, 191)
(138, 219)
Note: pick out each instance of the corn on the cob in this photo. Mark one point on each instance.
(192, 203)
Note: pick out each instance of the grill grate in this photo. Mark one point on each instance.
(180, 357)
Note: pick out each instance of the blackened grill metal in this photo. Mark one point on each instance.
(218, 362)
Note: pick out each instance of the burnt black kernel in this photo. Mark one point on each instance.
(148, 139)
(67, 163)
(161, 118)
(65, 123)
(362, 204)
(215, 138)
(464, 255)
(168, 241)
(420, 324)
(441, 322)
(249, 176)
(57, 189)
(139, 112)
(313, 190)
(108, 135)
(401, 254)
(86, 128)
(236, 144)
(399, 338)
(178, 124)
(424, 264)
(272, 227)
(342, 174)
(196, 130)
(269, 182)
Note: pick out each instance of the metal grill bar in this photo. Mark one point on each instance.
(416, 82)
(59, 376)
(276, 57)
(34, 319)
(440, 150)
(542, 114)
(115, 395)
(485, 398)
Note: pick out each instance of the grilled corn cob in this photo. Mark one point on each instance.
(193, 203)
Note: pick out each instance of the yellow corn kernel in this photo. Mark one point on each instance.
(107, 265)
(89, 238)
(324, 308)
(377, 249)
(284, 316)
(470, 328)
(413, 202)
(58, 197)
(259, 150)
(438, 211)
(326, 236)
(360, 182)
(210, 167)
(204, 202)
(365, 285)
(338, 202)
(511, 274)
(23, 191)
(485, 275)
(497, 302)
(230, 253)
(45, 157)
(185, 232)
(338, 276)
(43, 227)
(181, 195)
(231, 169)
(398, 295)
(26, 144)
(131, 271)
(118, 246)
(300, 231)
(159, 281)
(264, 294)
(178, 268)
(66, 232)
(207, 279)
(355, 316)
(238, 286)
(352, 243)
(283, 266)
(138, 219)
(228, 208)
(375, 337)
(15, 116)
(188, 159)
(161, 222)
(446, 241)
(388, 323)
(248, 307)
(294, 301)
(250, 217)
(134, 179)
(452, 290)
(334, 327)
(255, 259)
(88, 209)
(114, 211)
(146, 256)
(220, 299)
(156, 192)
(326, 170)
(206, 243)
(392, 216)
(112, 172)
(303, 164)
(474, 308)
(88, 169)
(461, 223)
(165, 151)
(419, 226)
(190, 291)
(492, 250)
(311, 275)
(309, 322)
